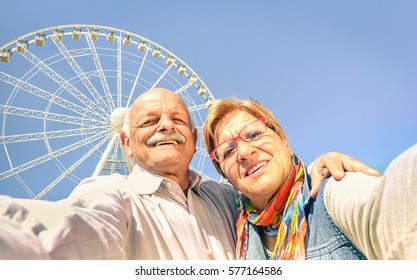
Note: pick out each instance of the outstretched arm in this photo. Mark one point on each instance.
(378, 215)
(335, 164)
(17, 243)
(20, 229)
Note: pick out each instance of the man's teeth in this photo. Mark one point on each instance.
(256, 167)
(166, 142)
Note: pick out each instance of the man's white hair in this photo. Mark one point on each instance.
(126, 123)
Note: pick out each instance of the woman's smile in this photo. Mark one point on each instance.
(256, 168)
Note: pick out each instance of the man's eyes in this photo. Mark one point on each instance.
(151, 122)
(179, 121)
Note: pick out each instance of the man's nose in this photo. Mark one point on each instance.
(165, 123)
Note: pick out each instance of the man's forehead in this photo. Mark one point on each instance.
(157, 104)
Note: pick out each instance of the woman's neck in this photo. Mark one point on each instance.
(268, 241)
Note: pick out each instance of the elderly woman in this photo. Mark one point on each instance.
(278, 219)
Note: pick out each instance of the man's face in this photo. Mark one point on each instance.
(161, 139)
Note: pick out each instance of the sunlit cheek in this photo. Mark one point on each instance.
(140, 137)
(231, 172)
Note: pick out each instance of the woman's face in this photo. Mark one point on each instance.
(256, 168)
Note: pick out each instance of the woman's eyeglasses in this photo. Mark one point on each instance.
(251, 132)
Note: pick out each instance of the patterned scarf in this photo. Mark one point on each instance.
(284, 218)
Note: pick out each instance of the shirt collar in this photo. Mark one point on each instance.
(150, 183)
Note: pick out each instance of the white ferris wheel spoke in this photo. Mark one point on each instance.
(119, 71)
(77, 69)
(137, 78)
(61, 81)
(50, 156)
(25, 186)
(162, 76)
(72, 167)
(48, 116)
(38, 136)
(38, 92)
(99, 69)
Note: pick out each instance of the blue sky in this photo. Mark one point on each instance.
(338, 75)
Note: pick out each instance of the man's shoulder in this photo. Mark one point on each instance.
(222, 195)
(104, 179)
(103, 183)
(216, 187)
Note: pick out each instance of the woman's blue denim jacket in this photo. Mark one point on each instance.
(324, 239)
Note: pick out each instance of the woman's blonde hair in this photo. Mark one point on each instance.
(222, 107)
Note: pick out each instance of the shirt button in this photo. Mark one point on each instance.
(209, 252)
(169, 184)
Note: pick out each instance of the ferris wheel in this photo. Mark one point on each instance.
(64, 91)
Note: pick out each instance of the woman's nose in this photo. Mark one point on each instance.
(244, 150)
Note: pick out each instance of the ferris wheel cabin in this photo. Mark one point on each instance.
(110, 35)
(169, 59)
(58, 34)
(94, 33)
(76, 33)
(127, 39)
(192, 78)
(181, 69)
(22, 45)
(5, 55)
(40, 38)
(142, 45)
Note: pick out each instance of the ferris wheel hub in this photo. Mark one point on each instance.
(117, 118)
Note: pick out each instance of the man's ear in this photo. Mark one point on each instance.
(125, 143)
(195, 137)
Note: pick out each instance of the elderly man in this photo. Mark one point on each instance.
(162, 210)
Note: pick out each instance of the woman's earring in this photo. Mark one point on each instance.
(295, 159)
(238, 201)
